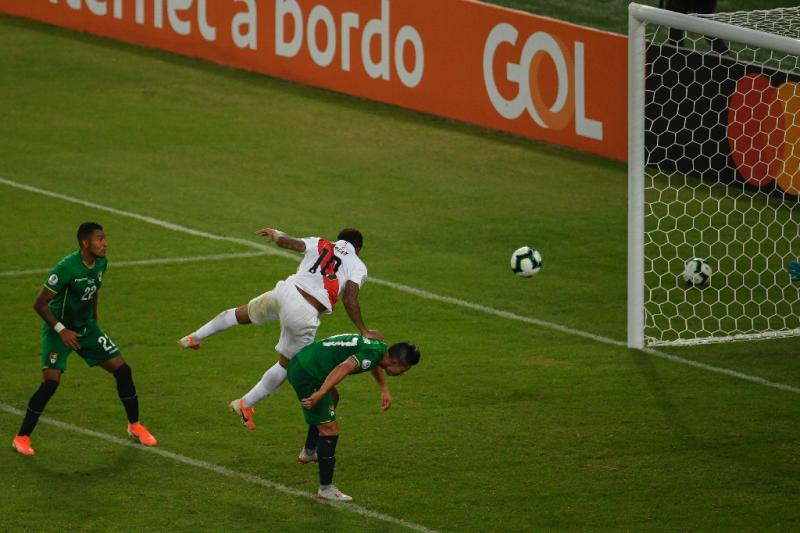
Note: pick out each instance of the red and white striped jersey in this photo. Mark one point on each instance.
(326, 268)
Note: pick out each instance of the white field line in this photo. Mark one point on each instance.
(161, 261)
(222, 470)
(418, 292)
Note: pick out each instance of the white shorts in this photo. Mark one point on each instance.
(299, 319)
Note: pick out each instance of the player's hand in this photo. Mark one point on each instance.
(270, 233)
(310, 402)
(70, 338)
(372, 334)
(386, 400)
(794, 270)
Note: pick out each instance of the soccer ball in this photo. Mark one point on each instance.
(526, 261)
(697, 272)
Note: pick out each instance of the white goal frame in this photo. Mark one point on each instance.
(638, 17)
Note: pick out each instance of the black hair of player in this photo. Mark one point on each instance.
(86, 229)
(353, 236)
(405, 353)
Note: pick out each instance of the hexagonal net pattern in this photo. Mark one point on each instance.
(721, 182)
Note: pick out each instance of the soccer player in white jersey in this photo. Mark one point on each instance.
(328, 270)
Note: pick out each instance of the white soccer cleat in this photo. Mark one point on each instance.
(305, 457)
(331, 493)
(189, 342)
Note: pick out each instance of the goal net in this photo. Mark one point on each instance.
(714, 173)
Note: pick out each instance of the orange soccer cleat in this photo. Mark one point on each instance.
(139, 432)
(189, 342)
(245, 413)
(22, 443)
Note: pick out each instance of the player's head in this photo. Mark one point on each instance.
(353, 236)
(400, 357)
(92, 238)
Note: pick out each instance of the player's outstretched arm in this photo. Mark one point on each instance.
(351, 305)
(69, 337)
(334, 378)
(282, 239)
(386, 396)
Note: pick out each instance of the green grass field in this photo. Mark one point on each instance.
(526, 413)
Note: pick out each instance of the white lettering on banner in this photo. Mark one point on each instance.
(184, 27)
(292, 8)
(410, 78)
(98, 7)
(349, 22)
(248, 19)
(208, 32)
(321, 57)
(179, 25)
(379, 27)
(519, 74)
(323, 54)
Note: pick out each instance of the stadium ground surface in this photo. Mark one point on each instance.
(505, 425)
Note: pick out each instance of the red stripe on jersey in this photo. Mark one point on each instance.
(328, 266)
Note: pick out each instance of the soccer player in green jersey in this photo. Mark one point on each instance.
(68, 305)
(314, 373)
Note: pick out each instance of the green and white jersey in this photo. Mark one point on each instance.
(319, 358)
(75, 286)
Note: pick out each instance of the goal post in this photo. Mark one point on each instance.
(713, 172)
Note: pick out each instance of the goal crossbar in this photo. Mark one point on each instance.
(713, 28)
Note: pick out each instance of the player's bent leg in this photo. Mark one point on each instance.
(268, 384)
(326, 454)
(126, 390)
(224, 320)
(22, 440)
(242, 314)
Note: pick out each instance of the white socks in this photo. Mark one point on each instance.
(221, 322)
(269, 383)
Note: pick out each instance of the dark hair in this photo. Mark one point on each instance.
(407, 354)
(353, 236)
(86, 229)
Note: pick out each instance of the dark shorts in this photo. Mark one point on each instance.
(96, 347)
(305, 385)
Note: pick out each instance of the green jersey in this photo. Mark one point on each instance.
(75, 286)
(319, 358)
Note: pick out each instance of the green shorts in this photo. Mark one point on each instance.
(95, 347)
(305, 385)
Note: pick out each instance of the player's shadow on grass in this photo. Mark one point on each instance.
(662, 392)
(115, 464)
(725, 442)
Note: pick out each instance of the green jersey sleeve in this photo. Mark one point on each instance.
(370, 351)
(59, 277)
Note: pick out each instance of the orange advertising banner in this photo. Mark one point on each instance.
(461, 59)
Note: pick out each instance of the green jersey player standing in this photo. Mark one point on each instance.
(314, 373)
(68, 305)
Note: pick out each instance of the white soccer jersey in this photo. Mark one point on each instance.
(326, 268)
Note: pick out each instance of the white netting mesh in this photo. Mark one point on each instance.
(722, 178)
